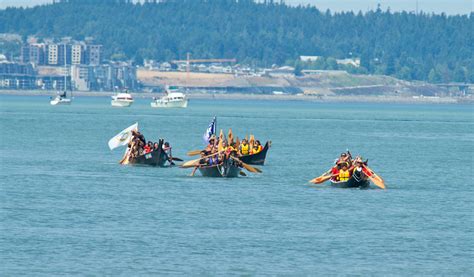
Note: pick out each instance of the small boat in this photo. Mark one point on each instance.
(60, 99)
(259, 158)
(228, 168)
(154, 158)
(123, 99)
(172, 99)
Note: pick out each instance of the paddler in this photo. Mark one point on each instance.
(257, 148)
(357, 167)
(244, 148)
(344, 173)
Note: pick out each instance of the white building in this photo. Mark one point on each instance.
(309, 58)
(354, 62)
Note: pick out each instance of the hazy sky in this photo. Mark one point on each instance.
(436, 6)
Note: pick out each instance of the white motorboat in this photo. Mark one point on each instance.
(123, 99)
(172, 99)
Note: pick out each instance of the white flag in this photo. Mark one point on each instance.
(122, 138)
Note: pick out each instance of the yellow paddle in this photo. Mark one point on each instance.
(194, 152)
(248, 167)
(323, 178)
(195, 162)
(376, 179)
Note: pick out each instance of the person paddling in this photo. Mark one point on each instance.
(344, 173)
(244, 148)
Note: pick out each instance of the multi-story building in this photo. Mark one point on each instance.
(57, 54)
(33, 53)
(16, 76)
(76, 54)
(93, 54)
(52, 54)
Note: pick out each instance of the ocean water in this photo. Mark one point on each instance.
(68, 207)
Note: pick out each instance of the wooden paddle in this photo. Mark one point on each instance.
(323, 178)
(246, 166)
(195, 162)
(194, 152)
(376, 179)
(242, 174)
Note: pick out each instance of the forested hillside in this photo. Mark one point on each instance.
(437, 48)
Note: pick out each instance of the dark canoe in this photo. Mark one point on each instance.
(353, 182)
(228, 169)
(259, 158)
(154, 158)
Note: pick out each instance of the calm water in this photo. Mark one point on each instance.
(67, 207)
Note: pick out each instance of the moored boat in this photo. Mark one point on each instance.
(228, 168)
(123, 99)
(172, 99)
(259, 158)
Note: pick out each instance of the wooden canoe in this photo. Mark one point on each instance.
(259, 158)
(227, 169)
(154, 158)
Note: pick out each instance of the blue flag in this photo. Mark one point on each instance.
(211, 130)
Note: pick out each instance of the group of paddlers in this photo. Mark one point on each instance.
(219, 149)
(138, 146)
(345, 167)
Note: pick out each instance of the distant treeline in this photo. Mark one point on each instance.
(436, 48)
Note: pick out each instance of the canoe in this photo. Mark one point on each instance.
(154, 158)
(259, 158)
(354, 182)
(227, 169)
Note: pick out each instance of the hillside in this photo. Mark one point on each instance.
(330, 83)
(436, 48)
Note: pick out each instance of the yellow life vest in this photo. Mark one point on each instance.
(257, 149)
(244, 149)
(344, 175)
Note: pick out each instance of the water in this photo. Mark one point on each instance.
(67, 207)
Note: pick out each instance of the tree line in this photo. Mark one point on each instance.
(430, 47)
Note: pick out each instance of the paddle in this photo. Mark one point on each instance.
(192, 163)
(177, 159)
(243, 174)
(376, 179)
(194, 152)
(246, 166)
(323, 178)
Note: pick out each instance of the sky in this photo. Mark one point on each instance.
(450, 7)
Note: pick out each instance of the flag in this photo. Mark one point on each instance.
(211, 130)
(122, 138)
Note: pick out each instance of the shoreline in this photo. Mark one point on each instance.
(243, 96)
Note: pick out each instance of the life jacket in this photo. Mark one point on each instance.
(244, 149)
(344, 175)
(257, 149)
(147, 149)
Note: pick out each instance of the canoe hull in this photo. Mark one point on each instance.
(227, 169)
(154, 158)
(351, 183)
(257, 159)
